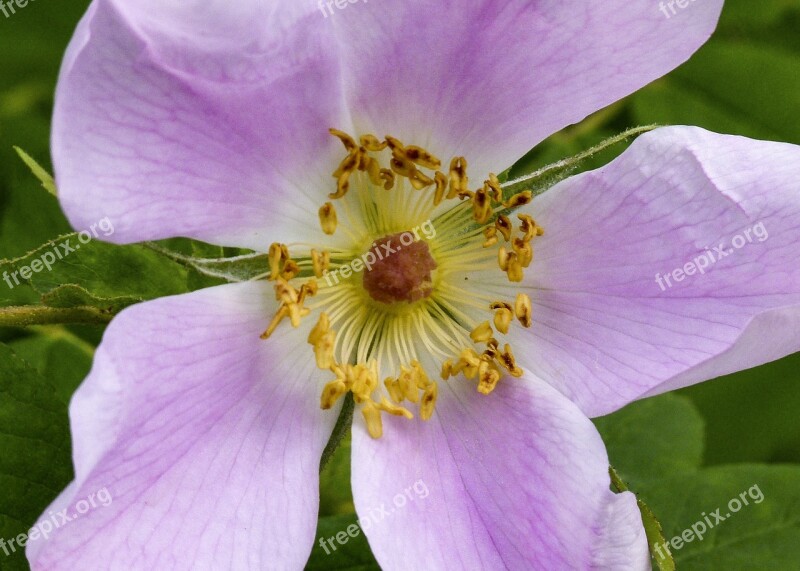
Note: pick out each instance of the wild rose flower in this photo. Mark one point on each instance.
(202, 415)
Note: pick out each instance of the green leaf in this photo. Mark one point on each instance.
(758, 504)
(336, 497)
(73, 296)
(342, 551)
(59, 356)
(34, 437)
(44, 177)
(239, 268)
(751, 416)
(716, 89)
(102, 274)
(652, 439)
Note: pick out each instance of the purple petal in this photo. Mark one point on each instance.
(605, 332)
(207, 438)
(515, 480)
(488, 79)
(208, 121)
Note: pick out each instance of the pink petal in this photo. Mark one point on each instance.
(489, 79)
(605, 332)
(207, 438)
(515, 480)
(208, 121)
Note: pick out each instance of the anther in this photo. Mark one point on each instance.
(481, 206)
(321, 262)
(509, 362)
(482, 333)
(372, 416)
(346, 139)
(282, 313)
(388, 177)
(422, 157)
(372, 144)
(428, 401)
(490, 233)
(440, 180)
(523, 309)
(328, 219)
(495, 190)
(503, 225)
(459, 181)
(514, 269)
(394, 409)
(332, 392)
(502, 319)
(519, 199)
(502, 258)
(488, 377)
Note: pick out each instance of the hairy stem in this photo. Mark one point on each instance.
(25, 316)
(528, 181)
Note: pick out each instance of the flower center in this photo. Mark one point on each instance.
(402, 271)
(411, 296)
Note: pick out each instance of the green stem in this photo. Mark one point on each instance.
(25, 316)
(343, 424)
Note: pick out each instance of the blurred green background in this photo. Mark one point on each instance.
(685, 454)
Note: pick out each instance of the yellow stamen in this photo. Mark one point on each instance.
(490, 233)
(278, 258)
(523, 309)
(503, 225)
(429, 401)
(524, 252)
(447, 369)
(482, 333)
(372, 416)
(372, 144)
(495, 190)
(458, 177)
(347, 140)
(502, 319)
(394, 409)
(488, 377)
(328, 218)
(514, 268)
(321, 262)
(357, 337)
(481, 206)
(509, 362)
(393, 386)
(519, 199)
(282, 313)
(502, 258)
(408, 384)
(388, 178)
(422, 157)
(332, 392)
(441, 187)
